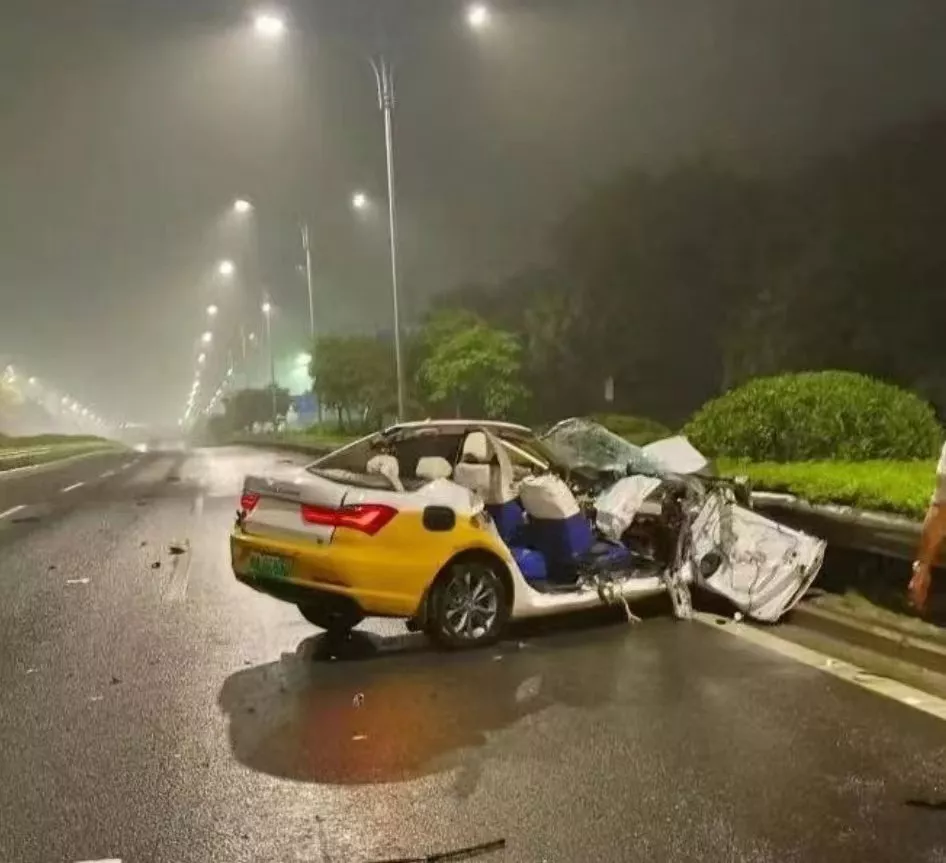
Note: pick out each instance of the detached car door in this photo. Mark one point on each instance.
(760, 566)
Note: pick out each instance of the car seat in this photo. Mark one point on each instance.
(388, 467)
(482, 470)
(431, 467)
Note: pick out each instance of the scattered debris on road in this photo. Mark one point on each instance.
(156, 564)
(77, 581)
(358, 700)
(176, 548)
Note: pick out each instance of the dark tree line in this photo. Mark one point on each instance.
(681, 285)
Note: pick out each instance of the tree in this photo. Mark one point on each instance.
(470, 366)
(355, 376)
(245, 408)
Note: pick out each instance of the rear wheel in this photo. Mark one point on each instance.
(335, 621)
(469, 606)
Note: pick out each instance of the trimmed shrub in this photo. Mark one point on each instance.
(638, 430)
(816, 415)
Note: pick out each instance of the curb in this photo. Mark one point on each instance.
(891, 640)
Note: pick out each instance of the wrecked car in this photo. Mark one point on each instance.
(462, 526)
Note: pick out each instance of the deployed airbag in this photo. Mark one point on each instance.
(616, 508)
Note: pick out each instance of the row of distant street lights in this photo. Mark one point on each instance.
(66, 405)
(271, 26)
(227, 270)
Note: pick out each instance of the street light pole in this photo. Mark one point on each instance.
(384, 75)
(304, 230)
(268, 317)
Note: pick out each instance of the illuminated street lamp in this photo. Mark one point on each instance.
(269, 26)
(242, 206)
(226, 269)
(359, 201)
(207, 337)
(212, 311)
(478, 16)
(202, 359)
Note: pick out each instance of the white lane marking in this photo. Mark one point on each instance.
(77, 581)
(126, 465)
(884, 686)
(12, 511)
(72, 487)
(107, 474)
(106, 860)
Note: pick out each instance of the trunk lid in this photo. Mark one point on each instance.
(272, 505)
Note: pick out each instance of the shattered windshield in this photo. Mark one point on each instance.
(584, 442)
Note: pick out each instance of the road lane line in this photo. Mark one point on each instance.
(72, 487)
(107, 474)
(884, 686)
(12, 511)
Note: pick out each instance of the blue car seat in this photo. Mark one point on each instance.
(479, 470)
(562, 534)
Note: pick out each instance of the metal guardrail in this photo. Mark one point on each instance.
(874, 532)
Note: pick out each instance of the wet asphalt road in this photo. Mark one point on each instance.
(162, 712)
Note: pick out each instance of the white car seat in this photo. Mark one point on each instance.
(482, 473)
(388, 467)
(433, 467)
(485, 468)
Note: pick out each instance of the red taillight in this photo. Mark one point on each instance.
(248, 501)
(368, 518)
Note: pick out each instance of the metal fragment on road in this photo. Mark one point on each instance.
(358, 700)
(77, 580)
(360, 737)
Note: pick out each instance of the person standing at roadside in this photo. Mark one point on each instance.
(934, 531)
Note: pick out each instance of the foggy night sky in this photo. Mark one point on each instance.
(129, 126)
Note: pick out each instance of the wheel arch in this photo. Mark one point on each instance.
(469, 554)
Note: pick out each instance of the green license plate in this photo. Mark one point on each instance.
(269, 566)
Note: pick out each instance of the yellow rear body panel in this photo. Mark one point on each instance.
(386, 574)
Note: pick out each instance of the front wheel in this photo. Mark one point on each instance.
(469, 606)
(334, 621)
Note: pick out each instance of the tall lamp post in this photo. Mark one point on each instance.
(384, 75)
(272, 28)
(268, 318)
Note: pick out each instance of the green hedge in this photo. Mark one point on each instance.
(817, 416)
(885, 486)
(638, 430)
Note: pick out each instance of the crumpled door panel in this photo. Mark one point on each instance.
(762, 567)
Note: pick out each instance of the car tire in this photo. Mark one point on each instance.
(469, 605)
(332, 620)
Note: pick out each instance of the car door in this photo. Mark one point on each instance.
(762, 567)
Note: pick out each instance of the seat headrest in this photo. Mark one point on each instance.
(433, 467)
(476, 448)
